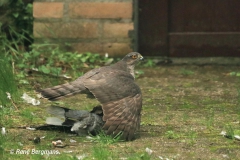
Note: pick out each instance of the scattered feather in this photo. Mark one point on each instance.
(3, 131)
(149, 151)
(81, 157)
(30, 100)
(34, 69)
(106, 55)
(58, 144)
(237, 137)
(224, 134)
(20, 144)
(89, 137)
(66, 76)
(31, 129)
(39, 96)
(8, 95)
(72, 141)
(160, 157)
(225, 156)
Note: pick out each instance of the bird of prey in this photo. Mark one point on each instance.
(114, 87)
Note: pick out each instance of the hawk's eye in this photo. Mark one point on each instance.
(134, 56)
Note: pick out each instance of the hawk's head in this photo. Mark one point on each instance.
(132, 58)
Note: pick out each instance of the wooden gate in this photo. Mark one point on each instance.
(189, 28)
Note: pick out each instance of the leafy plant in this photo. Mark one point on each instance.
(149, 63)
(10, 47)
(17, 16)
(230, 131)
(237, 74)
(171, 134)
(50, 59)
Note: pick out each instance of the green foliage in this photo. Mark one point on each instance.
(140, 156)
(149, 63)
(5, 114)
(101, 153)
(138, 73)
(230, 131)
(186, 72)
(27, 113)
(17, 15)
(7, 83)
(2, 146)
(171, 134)
(45, 58)
(16, 28)
(11, 47)
(192, 135)
(23, 16)
(145, 156)
(50, 59)
(237, 74)
(106, 139)
(210, 118)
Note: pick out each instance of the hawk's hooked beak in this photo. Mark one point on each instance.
(141, 58)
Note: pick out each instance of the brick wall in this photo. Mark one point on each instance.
(97, 26)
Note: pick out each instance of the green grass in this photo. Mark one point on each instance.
(101, 152)
(7, 84)
(104, 139)
(170, 134)
(28, 115)
(186, 72)
(229, 131)
(210, 118)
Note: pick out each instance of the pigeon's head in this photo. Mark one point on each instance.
(132, 58)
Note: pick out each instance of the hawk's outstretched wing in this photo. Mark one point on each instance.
(121, 101)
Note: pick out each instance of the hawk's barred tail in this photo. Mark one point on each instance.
(62, 91)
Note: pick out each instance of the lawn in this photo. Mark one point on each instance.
(185, 108)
